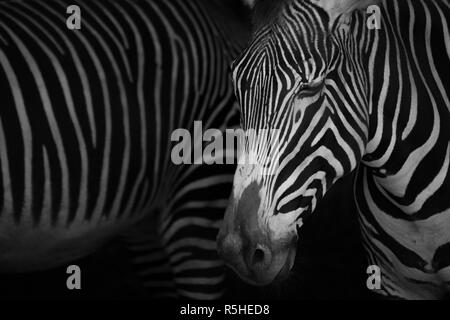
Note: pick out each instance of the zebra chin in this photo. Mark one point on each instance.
(250, 247)
(260, 266)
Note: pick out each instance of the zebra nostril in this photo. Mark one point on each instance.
(261, 257)
(258, 256)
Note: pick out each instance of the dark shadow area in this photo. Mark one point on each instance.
(106, 274)
(330, 264)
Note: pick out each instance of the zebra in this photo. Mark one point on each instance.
(86, 117)
(347, 96)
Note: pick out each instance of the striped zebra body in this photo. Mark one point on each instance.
(86, 118)
(402, 187)
(348, 97)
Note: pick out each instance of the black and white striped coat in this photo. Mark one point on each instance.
(348, 97)
(86, 118)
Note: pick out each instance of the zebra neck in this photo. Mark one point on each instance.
(408, 96)
(377, 59)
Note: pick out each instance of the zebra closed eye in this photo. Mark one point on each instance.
(310, 89)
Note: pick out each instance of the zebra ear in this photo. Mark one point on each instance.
(343, 8)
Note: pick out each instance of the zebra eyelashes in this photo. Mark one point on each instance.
(305, 83)
(314, 86)
(309, 89)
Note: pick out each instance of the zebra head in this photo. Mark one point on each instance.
(300, 75)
